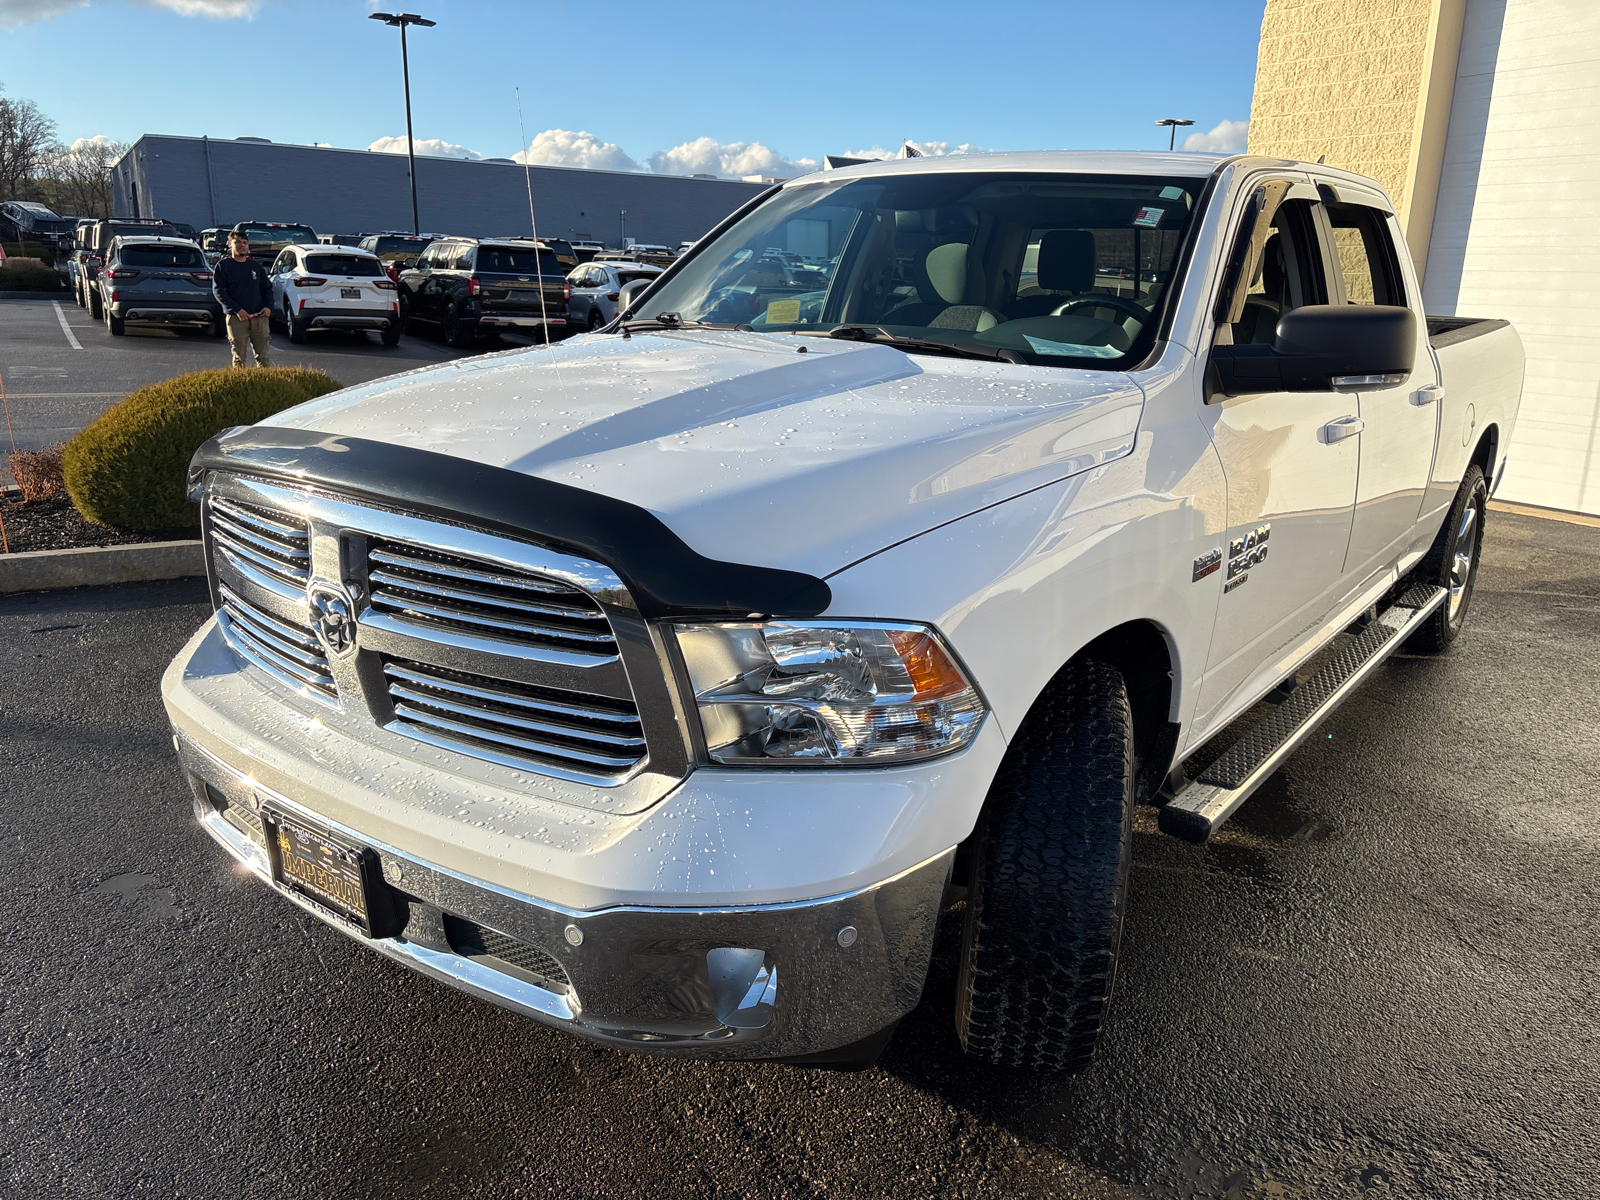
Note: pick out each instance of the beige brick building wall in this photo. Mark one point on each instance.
(1366, 83)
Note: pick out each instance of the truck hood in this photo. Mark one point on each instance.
(748, 449)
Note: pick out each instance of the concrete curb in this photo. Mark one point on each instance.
(44, 570)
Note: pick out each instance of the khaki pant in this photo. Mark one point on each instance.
(257, 332)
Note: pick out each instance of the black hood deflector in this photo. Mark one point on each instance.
(666, 576)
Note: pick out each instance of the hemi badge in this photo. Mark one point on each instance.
(1206, 564)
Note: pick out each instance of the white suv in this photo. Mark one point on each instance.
(333, 287)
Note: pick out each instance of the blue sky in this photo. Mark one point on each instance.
(725, 87)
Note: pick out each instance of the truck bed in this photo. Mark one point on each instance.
(1449, 331)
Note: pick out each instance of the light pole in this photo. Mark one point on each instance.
(1172, 124)
(400, 21)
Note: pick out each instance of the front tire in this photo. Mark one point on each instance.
(95, 309)
(1453, 563)
(1049, 879)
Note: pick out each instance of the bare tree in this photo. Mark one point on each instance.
(82, 177)
(27, 145)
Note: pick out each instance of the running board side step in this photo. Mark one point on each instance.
(1200, 809)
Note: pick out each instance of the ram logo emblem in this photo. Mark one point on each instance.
(333, 617)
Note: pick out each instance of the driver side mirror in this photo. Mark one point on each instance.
(631, 292)
(1321, 348)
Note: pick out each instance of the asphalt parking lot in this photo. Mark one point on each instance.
(1378, 981)
(62, 368)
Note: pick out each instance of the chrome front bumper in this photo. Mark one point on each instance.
(768, 981)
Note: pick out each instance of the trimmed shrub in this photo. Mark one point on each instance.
(29, 277)
(37, 472)
(128, 469)
(30, 250)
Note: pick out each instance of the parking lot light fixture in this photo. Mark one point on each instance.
(400, 21)
(1171, 123)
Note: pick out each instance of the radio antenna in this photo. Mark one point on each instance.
(533, 221)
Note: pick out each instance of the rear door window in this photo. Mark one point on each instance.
(1368, 270)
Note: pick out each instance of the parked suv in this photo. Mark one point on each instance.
(30, 221)
(214, 243)
(333, 287)
(465, 286)
(96, 238)
(593, 291)
(158, 281)
(267, 238)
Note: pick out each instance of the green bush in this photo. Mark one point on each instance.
(30, 277)
(128, 469)
(29, 250)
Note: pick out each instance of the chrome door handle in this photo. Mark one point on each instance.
(1344, 427)
(1428, 395)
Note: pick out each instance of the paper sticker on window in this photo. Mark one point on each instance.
(783, 312)
(1171, 193)
(1148, 218)
(1070, 349)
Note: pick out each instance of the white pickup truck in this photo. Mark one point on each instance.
(671, 685)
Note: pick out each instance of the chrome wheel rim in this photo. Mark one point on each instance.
(1461, 560)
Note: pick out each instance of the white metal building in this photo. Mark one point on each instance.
(1516, 230)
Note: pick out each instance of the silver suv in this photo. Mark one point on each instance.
(158, 281)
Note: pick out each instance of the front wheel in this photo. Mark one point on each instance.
(1453, 563)
(95, 309)
(1049, 879)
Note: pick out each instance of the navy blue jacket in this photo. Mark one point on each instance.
(240, 286)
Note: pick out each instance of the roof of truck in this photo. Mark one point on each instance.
(1091, 162)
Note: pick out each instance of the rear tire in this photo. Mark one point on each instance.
(116, 325)
(219, 327)
(1453, 563)
(1049, 879)
(595, 320)
(95, 309)
(391, 335)
(456, 332)
(296, 327)
(77, 293)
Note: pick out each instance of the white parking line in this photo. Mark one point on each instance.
(65, 328)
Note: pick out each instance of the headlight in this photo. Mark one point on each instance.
(827, 692)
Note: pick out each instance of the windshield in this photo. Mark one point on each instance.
(1065, 270)
(345, 264)
(161, 256)
(272, 237)
(508, 261)
(399, 247)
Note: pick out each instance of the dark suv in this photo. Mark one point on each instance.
(158, 281)
(94, 241)
(268, 238)
(468, 286)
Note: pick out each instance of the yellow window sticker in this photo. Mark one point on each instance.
(783, 312)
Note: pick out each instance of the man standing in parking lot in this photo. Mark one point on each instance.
(240, 285)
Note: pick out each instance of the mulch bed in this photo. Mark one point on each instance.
(54, 524)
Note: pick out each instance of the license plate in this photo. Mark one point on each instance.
(349, 293)
(337, 877)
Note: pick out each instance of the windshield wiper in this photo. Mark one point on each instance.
(881, 336)
(672, 320)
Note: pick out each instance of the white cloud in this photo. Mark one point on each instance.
(1229, 137)
(564, 148)
(431, 147)
(218, 10)
(79, 145)
(935, 149)
(707, 156)
(16, 13)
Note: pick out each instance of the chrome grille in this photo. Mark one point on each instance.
(432, 589)
(287, 650)
(261, 541)
(515, 724)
